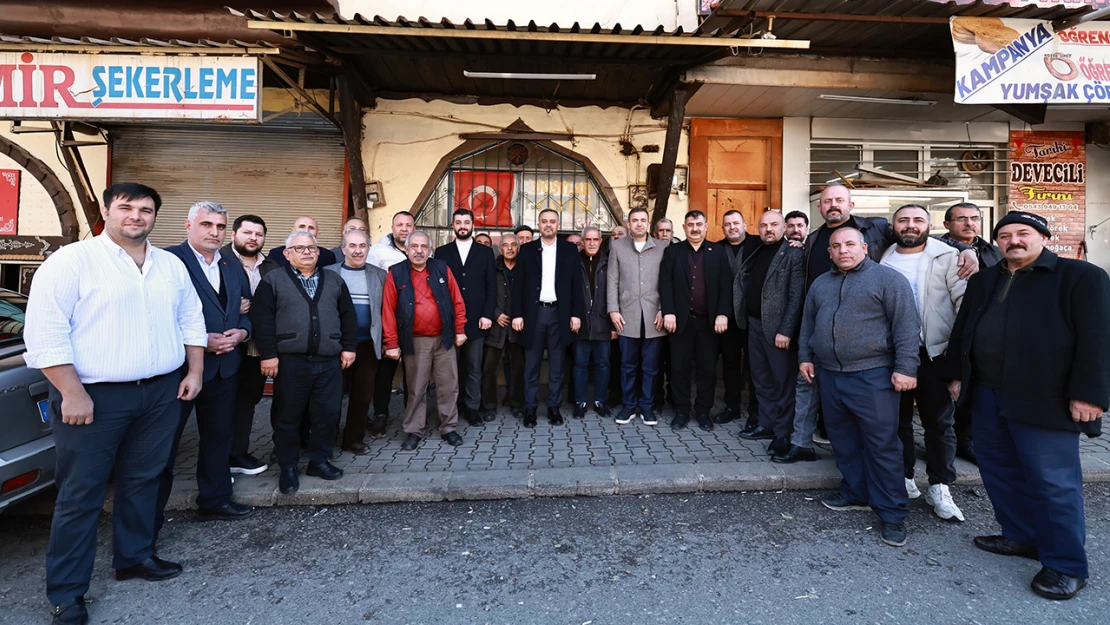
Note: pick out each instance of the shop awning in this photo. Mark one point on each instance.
(12, 43)
(403, 58)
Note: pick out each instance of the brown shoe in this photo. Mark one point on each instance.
(358, 449)
(377, 426)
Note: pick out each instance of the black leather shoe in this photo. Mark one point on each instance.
(704, 422)
(324, 470)
(758, 434)
(796, 454)
(554, 416)
(1005, 547)
(453, 439)
(472, 416)
(1052, 584)
(726, 416)
(752, 422)
(288, 482)
(229, 511)
(778, 446)
(680, 420)
(602, 410)
(579, 411)
(71, 613)
(488, 415)
(154, 569)
(530, 417)
(966, 449)
(411, 441)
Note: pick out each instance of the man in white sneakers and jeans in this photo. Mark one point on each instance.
(931, 269)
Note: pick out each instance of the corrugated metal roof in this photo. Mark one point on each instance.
(831, 34)
(416, 58)
(119, 44)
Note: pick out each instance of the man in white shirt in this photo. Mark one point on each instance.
(110, 321)
(931, 268)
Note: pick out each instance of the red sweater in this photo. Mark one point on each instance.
(426, 320)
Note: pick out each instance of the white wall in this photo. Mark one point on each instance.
(37, 214)
(404, 140)
(795, 165)
(628, 13)
(1098, 206)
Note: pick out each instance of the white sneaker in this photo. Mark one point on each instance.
(911, 488)
(648, 417)
(941, 500)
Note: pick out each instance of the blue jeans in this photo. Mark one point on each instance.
(582, 352)
(1035, 482)
(640, 361)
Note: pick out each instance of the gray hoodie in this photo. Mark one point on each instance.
(859, 320)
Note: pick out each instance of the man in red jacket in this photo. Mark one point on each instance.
(423, 321)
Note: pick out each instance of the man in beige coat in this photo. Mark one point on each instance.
(633, 298)
(931, 268)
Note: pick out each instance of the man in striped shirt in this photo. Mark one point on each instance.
(110, 321)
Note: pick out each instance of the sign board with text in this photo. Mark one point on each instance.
(1016, 61)
(124, 86)
(1048, 176)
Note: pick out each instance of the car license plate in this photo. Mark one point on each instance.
(44, 410)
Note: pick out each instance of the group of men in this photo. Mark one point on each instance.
(860, 320)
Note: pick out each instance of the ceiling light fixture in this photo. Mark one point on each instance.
(867, 100)
(529, 76)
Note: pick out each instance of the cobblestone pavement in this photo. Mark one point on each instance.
(591, 442)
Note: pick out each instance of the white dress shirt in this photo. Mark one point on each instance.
(93, 308)
(254, 275)
(211, 270)
(547, 263)
(464, 248)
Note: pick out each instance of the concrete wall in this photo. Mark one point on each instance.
(404, 140)
(37, 214)
(628, 13)
(1098, 206)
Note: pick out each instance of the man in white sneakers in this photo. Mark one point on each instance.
(931, 269)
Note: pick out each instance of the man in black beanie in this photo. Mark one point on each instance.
(1030, 354)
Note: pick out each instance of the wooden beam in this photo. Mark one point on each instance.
(292, 84)
(63, 134)
(524, 35)
(832, 17)
(518, 136)
(427, 54)
(350, 115)
(670, 151)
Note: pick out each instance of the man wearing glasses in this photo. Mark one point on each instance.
(306, 328)
(964, 222)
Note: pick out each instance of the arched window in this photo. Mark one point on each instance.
(508, 182)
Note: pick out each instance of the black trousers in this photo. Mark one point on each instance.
(131, 433)
(383, 386)
(358, 382)
(934, 405)
(470, 372)
(547, 325)
(315, 382)
(616, 389)
(252, 385)
(694, 352)
(963, 424)
(514, 384)
(774, 378)
(215, 406)
(734, 361)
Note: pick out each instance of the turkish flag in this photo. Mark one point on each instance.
(488, 194)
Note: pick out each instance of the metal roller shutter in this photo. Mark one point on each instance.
(276, 173)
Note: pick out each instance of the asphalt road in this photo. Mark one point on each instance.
(773, 558)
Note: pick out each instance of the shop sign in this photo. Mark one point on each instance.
(1048, 176)
(1015, 61)
(9, 201)
(123, 86)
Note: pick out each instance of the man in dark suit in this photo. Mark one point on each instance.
(472, 265)
(547, 311)
(1030, 354)
(735, 357)
(695, 292)
(327, 257)
(222, 286)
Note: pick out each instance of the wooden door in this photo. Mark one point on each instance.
(735, 164)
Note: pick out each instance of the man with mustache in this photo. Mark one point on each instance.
(424, 321)
(738, 246)
(964, 221)
(502, 339)
(222, 287)
(1030, 354)
(860, 339)
(930, 268)
(247, 240)
(365, 283)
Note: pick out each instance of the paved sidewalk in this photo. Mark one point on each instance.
(590, 456)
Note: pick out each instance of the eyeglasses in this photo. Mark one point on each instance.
(963, 219)
(304, 249)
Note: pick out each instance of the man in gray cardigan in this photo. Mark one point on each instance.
(860, 339)
(365, 283)
(634, 309)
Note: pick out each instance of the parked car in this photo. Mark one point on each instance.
(26, 428)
